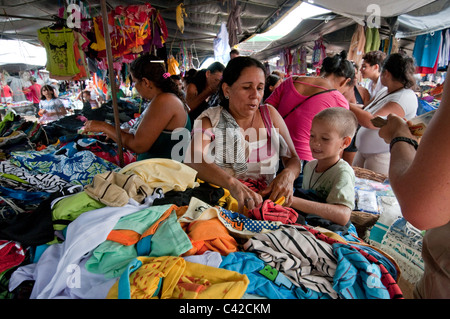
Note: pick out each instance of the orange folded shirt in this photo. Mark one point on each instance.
(210, 235)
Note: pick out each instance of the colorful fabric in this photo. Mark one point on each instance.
(210, 235)
(11, 254)
(294, 251)
(174, 278)
(163, 173)
(271, 211)
(78, 169)
(116, 189)
(237, 224)
(356, 277)
(386, 278)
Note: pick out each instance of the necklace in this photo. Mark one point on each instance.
(310, 178)
(251, 123)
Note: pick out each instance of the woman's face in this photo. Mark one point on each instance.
(277, 84)
(141, 87)
(213, 79)
(246, 93)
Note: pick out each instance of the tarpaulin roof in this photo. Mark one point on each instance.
(403, 19)
(21, 19)
(406, 18)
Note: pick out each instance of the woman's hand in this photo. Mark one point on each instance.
(282, 185)
(244, 196)
(395, 126)
(93, 126)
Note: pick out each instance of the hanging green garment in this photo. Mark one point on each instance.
(372, 40)
(58, 44)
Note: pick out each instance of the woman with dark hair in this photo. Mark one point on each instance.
(201, 92)
(50, 107)
(397, 75)
(300, 98)
(272, 82)
(163, 118)
(240, 142)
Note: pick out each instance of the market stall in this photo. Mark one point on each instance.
(71, 226)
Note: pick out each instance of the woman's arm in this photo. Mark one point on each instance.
(421, 180)
(159, 116)
(364, 116)
(199, 158)
(283, 184)
(193, 98)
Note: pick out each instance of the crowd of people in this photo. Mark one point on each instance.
(294, 139)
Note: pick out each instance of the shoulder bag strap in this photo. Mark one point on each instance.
(330, 90)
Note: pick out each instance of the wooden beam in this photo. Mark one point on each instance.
(112, 80)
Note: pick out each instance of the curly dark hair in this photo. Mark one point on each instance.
(402, 68)
(374, 57)
(152, 68)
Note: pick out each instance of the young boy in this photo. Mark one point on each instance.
(328, 189)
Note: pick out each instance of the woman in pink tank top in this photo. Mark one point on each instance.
(299, 99)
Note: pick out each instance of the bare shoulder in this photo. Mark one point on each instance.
(274, 114)
(166, 101)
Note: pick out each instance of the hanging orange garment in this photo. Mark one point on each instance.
(80, 58)
(100, 43)
(172, 66)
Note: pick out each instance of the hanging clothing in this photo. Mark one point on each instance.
(302, 63)
(319, 53)
(444, 52)
(221, 45)
(59, 46)
(234, 23)
(373, 40)
(357, 45)
(426, 49)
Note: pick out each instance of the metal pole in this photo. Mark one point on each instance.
(112, 80)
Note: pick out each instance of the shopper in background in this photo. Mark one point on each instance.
(202, 92)
(397, 75)
(361, 96)
(371, 69)
(234, 53)
(272, 82)
(51, 108)
(6, 94)
(34, 93)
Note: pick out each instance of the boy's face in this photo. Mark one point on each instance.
(369, 71)
(325, 141)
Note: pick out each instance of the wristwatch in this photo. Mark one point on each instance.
(403, 139)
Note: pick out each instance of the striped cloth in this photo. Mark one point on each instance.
(229, 144)
(305, 260)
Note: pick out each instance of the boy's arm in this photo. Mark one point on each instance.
(339, 198)
(339, 214)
